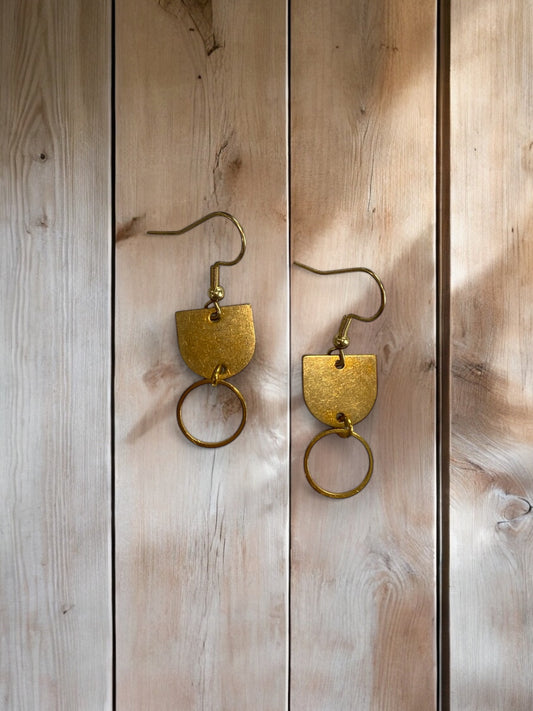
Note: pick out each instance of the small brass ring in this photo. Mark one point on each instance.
(340, 494)
(191, 437)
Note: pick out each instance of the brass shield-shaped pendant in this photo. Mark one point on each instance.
(228, 341)
(330, 391)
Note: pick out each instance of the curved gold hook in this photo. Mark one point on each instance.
(227, 216)
(354, 269)
(216, 290)
(341, 340)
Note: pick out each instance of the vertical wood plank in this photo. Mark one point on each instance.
(491, 600)
(55, 596)
(202, 539)
(363, 194)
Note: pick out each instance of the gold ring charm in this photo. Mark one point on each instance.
(216, 342)
(191, 437)
(341, 431)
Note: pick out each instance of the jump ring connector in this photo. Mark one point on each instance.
(217, 313)
(348, 427)
(341, 362)
(215, 378)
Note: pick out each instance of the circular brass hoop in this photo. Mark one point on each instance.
(191, 437)
(340, 494)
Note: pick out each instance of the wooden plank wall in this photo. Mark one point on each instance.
(55, 266)
(202, 535)
(491, 527)
(363, 194)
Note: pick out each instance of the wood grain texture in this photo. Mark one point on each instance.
(55, 596)
(491, 529)
(202, 535)
(363, 194)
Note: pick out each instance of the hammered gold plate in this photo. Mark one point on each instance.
(229, 341)
(330, 391)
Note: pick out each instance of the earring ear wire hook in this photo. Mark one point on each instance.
(216, 290)
(341, 340)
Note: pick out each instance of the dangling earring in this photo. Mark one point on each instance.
(215, 342)
(340, 390)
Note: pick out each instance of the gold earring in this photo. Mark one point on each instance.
(340, 390)
(215, 342)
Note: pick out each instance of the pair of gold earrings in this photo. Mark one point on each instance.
(217, 342)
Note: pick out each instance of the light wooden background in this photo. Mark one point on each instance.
(491, 482)
(141, 572)
(55, 267)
